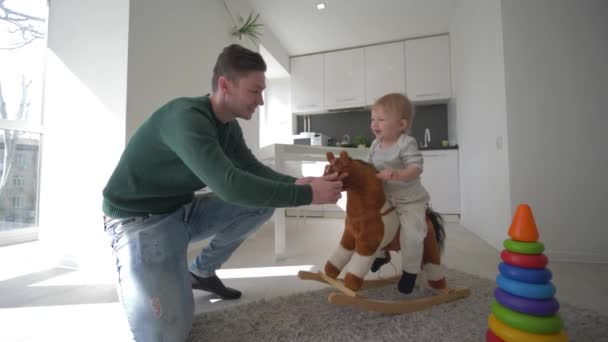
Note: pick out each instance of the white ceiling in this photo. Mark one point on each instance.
(302, 29)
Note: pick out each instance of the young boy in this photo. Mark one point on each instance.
(395, 155)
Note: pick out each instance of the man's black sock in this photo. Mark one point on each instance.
(214, 285)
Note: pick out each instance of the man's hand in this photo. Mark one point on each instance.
(307, 180)
(304, 180)
(327, 189)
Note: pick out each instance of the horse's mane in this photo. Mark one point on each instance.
(365, 164)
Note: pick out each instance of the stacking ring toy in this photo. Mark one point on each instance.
(524, 260)
(527, 275)
(508, 334)
(523, 247)
(533, 324)
(534, 291)
(491, 337)
(545, 307)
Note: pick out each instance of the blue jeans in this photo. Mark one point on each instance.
(153, 283)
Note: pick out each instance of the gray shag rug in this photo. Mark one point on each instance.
(309, 317)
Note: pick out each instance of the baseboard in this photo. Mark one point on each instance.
(576, 257)
(558, 256)
(451, 218)
(339, 214)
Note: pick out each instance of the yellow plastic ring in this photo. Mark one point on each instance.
(509, 334)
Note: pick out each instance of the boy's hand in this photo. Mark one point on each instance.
(387, 174)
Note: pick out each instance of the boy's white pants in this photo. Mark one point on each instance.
(412, 218)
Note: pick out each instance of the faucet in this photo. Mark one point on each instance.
(427, 138)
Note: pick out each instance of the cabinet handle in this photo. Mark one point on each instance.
(432, 155)
(428, 95)
(346, 99)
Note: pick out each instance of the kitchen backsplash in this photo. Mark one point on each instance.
(335, 125)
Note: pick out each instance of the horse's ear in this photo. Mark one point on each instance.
(344, 155)
(330, 157)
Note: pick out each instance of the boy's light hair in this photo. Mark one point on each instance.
(397, 104)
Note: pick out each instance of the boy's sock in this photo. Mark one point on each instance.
(214, 285)
(407, 282)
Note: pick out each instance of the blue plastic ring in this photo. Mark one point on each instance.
(534, 291)
(526, 275)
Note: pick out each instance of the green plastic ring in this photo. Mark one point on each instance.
(533, 324)
(523, 247)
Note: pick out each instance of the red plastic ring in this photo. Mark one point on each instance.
(524, 260)
(491, 337)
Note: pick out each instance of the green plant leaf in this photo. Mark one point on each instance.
(250, 28)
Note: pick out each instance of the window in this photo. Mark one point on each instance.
(18, 181)
(18, 202)
(22, 55)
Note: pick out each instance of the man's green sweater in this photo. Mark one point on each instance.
(182, 148)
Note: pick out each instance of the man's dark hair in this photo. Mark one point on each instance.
(234, 62)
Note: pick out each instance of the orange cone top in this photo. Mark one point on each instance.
(523, 227)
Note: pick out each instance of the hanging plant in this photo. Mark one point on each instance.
(249, 28)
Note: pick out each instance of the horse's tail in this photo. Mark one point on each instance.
(437, 222)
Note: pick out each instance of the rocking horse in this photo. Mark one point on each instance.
(371, 231)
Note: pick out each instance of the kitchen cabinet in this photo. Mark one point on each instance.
(384, 70)
(344, 79)
(427, 69)
(441, 179)
(307, 84)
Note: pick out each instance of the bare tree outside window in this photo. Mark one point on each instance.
(24, 28)
(22, 48)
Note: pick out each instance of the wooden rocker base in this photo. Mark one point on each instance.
(352, 298)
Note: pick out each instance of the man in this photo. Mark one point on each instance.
(151, 213)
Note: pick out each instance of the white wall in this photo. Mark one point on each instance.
(173, 46)
(84, 115)
(556, 55)
(93, 103)
(276, 118)
(478, 106)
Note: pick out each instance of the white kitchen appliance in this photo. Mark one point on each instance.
(319, 139)
(311, 138)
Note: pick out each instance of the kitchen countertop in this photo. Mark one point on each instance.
(455, 147)
(316, 153)
(307, 152)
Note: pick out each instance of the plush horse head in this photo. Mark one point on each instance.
(364, 189)
(372, 226)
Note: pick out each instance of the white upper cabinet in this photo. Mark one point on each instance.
(344, 79)
(441, 179)
(384, 70)
(307, 84)
(427, 69)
